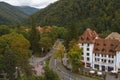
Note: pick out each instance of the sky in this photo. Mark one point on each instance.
(32, 3)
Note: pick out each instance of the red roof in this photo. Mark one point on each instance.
(106, 46)
(88, 36)
(118, 47)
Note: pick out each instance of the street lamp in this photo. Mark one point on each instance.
(16, 73)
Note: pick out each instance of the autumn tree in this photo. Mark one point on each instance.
(45, 44)
(59, 52)
(14, 52)
(74, 55)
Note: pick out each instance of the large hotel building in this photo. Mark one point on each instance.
(100, 54)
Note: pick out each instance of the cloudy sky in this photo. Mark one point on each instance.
(33, 3)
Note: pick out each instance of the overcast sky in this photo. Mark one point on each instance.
(33, 3)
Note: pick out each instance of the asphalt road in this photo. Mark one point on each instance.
(63, 73)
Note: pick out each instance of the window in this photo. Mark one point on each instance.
(87, 38)
(82, 53)
(104, 60)
(108, 61)
(112, 56)
(87, 49)
(87, 44)
(88, 59)
(82, 44)
(82, 38)
(112, 45)
(109, 56)
(104, 44)
(97, 44)
(96, 49)
(102, 55)
(110, 50)
(98, 59)
(98, 54)
(95, 54)
(112, 61)
(95, 59)
(96, 66)
(88, 54)
(103, 50)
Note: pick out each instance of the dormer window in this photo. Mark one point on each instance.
(96, 49)
(82, 38)
(104, 44)
(110, 50)
(87, 38)
(87, 44)
(112, 45)
(97, 44)
(103, 50)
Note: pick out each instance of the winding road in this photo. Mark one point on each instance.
(58, 67)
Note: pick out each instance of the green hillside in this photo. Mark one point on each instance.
(28, 10)
(10, 14)
(100, 15)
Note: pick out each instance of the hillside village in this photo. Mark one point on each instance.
(59, 39)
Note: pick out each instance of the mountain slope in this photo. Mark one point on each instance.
(97, 14)
(28, 10)
(10, 14)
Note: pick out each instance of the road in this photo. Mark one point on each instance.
(63, 73)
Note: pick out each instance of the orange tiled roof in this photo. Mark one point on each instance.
(40, 29)
(27, 29)
(106, 46)
(118, 47)
(48, 28)
(88, 36)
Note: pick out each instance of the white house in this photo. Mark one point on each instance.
(100, 54)
(86, 41)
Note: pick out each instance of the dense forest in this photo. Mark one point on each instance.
(100, 15)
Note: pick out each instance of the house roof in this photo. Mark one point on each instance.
(118, 47)
(40, 29)
(106, 46)
(88, 36)
(114, 35)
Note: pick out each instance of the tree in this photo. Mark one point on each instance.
(105, 34)
(62, 32)
(14, 52)
(59, 52)
(34, 39)
(50, 75)
(45, 44)
(74, 56)
(4, 30)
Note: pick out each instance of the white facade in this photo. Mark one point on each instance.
(117, 60)
(101, 62)
(87, 54)
(104, 62)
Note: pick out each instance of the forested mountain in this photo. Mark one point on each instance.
(27, 9)
(10, 14)
(100, 15)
